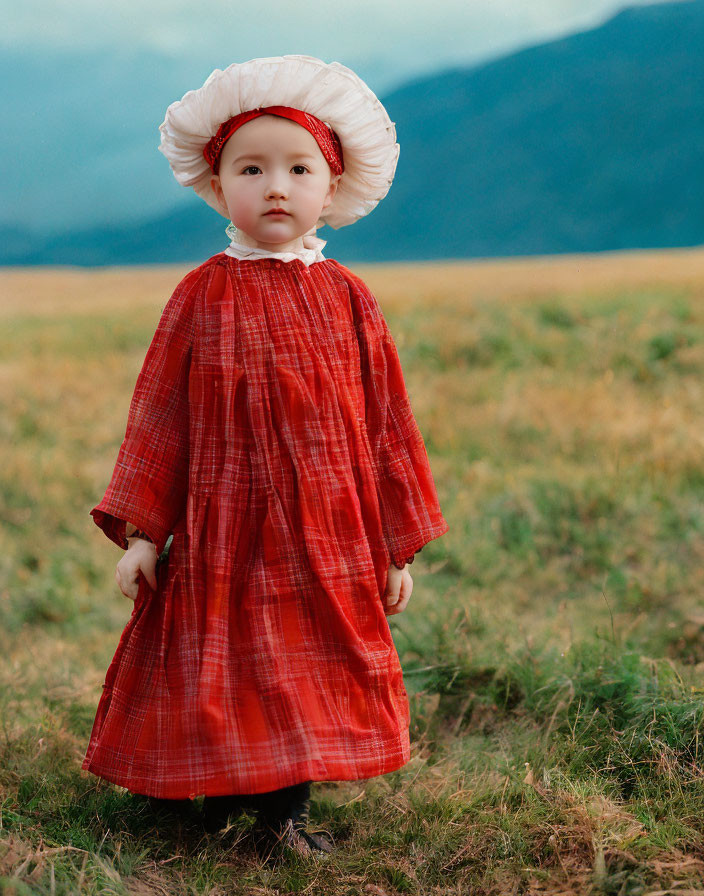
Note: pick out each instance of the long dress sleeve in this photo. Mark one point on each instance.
(408, 500)
(150, 479)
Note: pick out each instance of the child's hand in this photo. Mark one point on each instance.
(140, 555)
(399, 585)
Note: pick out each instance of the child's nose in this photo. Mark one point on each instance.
(277, 187)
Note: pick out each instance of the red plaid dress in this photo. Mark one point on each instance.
(270, 432)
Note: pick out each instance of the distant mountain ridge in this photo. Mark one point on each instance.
(592, 142)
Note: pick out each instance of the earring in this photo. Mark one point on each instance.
(231, 231)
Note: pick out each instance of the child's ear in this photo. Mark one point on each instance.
(219, 195)
(334, 181)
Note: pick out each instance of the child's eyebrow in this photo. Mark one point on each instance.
(259, 156)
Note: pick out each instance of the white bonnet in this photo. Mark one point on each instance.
(330, 91)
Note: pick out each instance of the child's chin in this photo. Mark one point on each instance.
(279, 232)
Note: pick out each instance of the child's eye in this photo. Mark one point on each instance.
(302, 167)
(250, 167)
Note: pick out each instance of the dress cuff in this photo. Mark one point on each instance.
(407, 561)
(139, 533)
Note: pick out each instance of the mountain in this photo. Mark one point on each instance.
(592, 142)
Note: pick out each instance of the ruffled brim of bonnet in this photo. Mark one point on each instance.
(330, 91)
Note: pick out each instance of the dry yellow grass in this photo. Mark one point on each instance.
(55, 290)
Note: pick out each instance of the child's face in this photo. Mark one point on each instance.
(272, 162)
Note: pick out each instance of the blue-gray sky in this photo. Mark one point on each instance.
(389, 40)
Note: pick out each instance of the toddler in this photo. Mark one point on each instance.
(272, 486)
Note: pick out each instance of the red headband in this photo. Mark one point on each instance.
(325, 137)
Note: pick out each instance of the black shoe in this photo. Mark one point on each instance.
(296, 838)
(282, 819)
(285, 838)
(218, 810)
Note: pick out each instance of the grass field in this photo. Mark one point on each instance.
(554, 645)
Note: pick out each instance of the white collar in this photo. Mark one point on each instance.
(310, 253)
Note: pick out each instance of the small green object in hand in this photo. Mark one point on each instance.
(163, 556)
